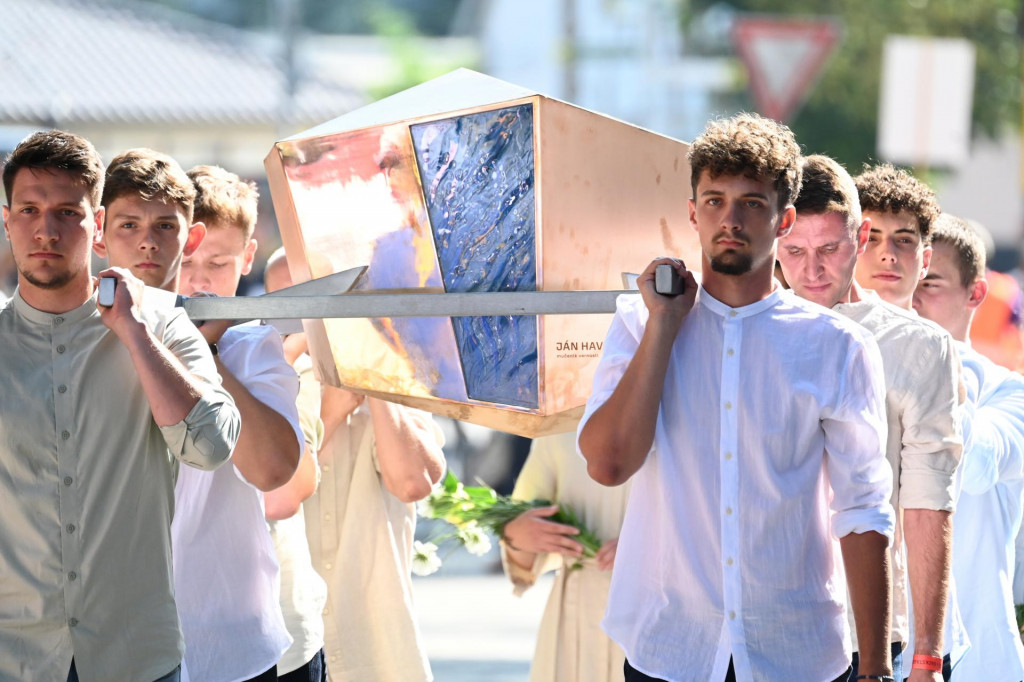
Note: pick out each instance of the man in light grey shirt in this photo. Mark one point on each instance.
(100, 403)
(921, 367)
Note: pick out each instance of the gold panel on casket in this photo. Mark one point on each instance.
(468, 183)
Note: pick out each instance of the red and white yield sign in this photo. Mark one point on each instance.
(783, 58)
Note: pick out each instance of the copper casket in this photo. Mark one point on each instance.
(468, 184)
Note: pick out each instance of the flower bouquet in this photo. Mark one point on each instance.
(475, 511)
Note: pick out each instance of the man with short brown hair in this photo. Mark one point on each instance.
(818, 258)
(100, 404)
(735, 408)
(988, 513)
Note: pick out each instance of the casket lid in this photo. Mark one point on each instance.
(460, 89)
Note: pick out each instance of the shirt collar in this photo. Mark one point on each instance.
(35, 316)
(723, 310)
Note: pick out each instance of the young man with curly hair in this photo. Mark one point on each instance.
(921, 368)
(901, 209)
(736, 407)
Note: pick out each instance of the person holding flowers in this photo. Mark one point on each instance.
(570, 644)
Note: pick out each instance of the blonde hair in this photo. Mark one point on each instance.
(224, 199)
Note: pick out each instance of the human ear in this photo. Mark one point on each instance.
(979, 290)
(787, 222)
(926, 261)
(196, 235)
(862, 235)
(99, 235)
(249, 255)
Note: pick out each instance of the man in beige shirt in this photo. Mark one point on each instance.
(99, 405)
(921, 368)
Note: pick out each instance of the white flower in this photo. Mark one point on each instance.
(475, 539)
(425, 507)
(424, 558)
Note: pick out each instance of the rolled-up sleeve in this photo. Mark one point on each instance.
(207, 435)
(855, 436)
(205, 438)
(932, 442)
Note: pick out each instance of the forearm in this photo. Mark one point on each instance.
(928, 536)
(170, 390)
(336, 404)
(619, 434)
(267, 453)
(410, 459)
(866, 558)
(286, 501)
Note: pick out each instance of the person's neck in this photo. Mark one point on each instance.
(855, 294)
(68, 297)
(737, 291)
(962, 332)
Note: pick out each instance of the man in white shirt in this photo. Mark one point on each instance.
(226, 575)
(901, 210)
(818, 258)
(988, 513)
(738, 405)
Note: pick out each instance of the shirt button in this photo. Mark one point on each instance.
(327, 566)
(325, 467)
(728, 511)
(327, 517)
(58, 320)
(730, 352)
(728, 562)
(728, 456)
(732, 615)
(728, 406)
(325, 611)
(68, 480)
(72, 622)
(72, 575)
(62, 389)
(732, 313)
(65, 434)
(71, 528)
(60, 348)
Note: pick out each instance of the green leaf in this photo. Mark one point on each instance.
(451, 483)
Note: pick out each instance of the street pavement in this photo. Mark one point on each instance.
(474, 629)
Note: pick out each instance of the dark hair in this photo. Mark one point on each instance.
(751, 146)
(55, 150)
(968, 245)
(826, 187)
(887, 188)
(151, 176)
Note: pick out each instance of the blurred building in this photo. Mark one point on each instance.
(138, 75)
(623, 59)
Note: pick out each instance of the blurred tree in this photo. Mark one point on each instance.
(414, 64)
(840, 117)
(428, 17)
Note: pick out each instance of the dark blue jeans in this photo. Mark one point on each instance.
(634, 675)
(314, 671)
(173, 676)
(897, 663)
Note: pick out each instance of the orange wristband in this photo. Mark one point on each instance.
(930, 663)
